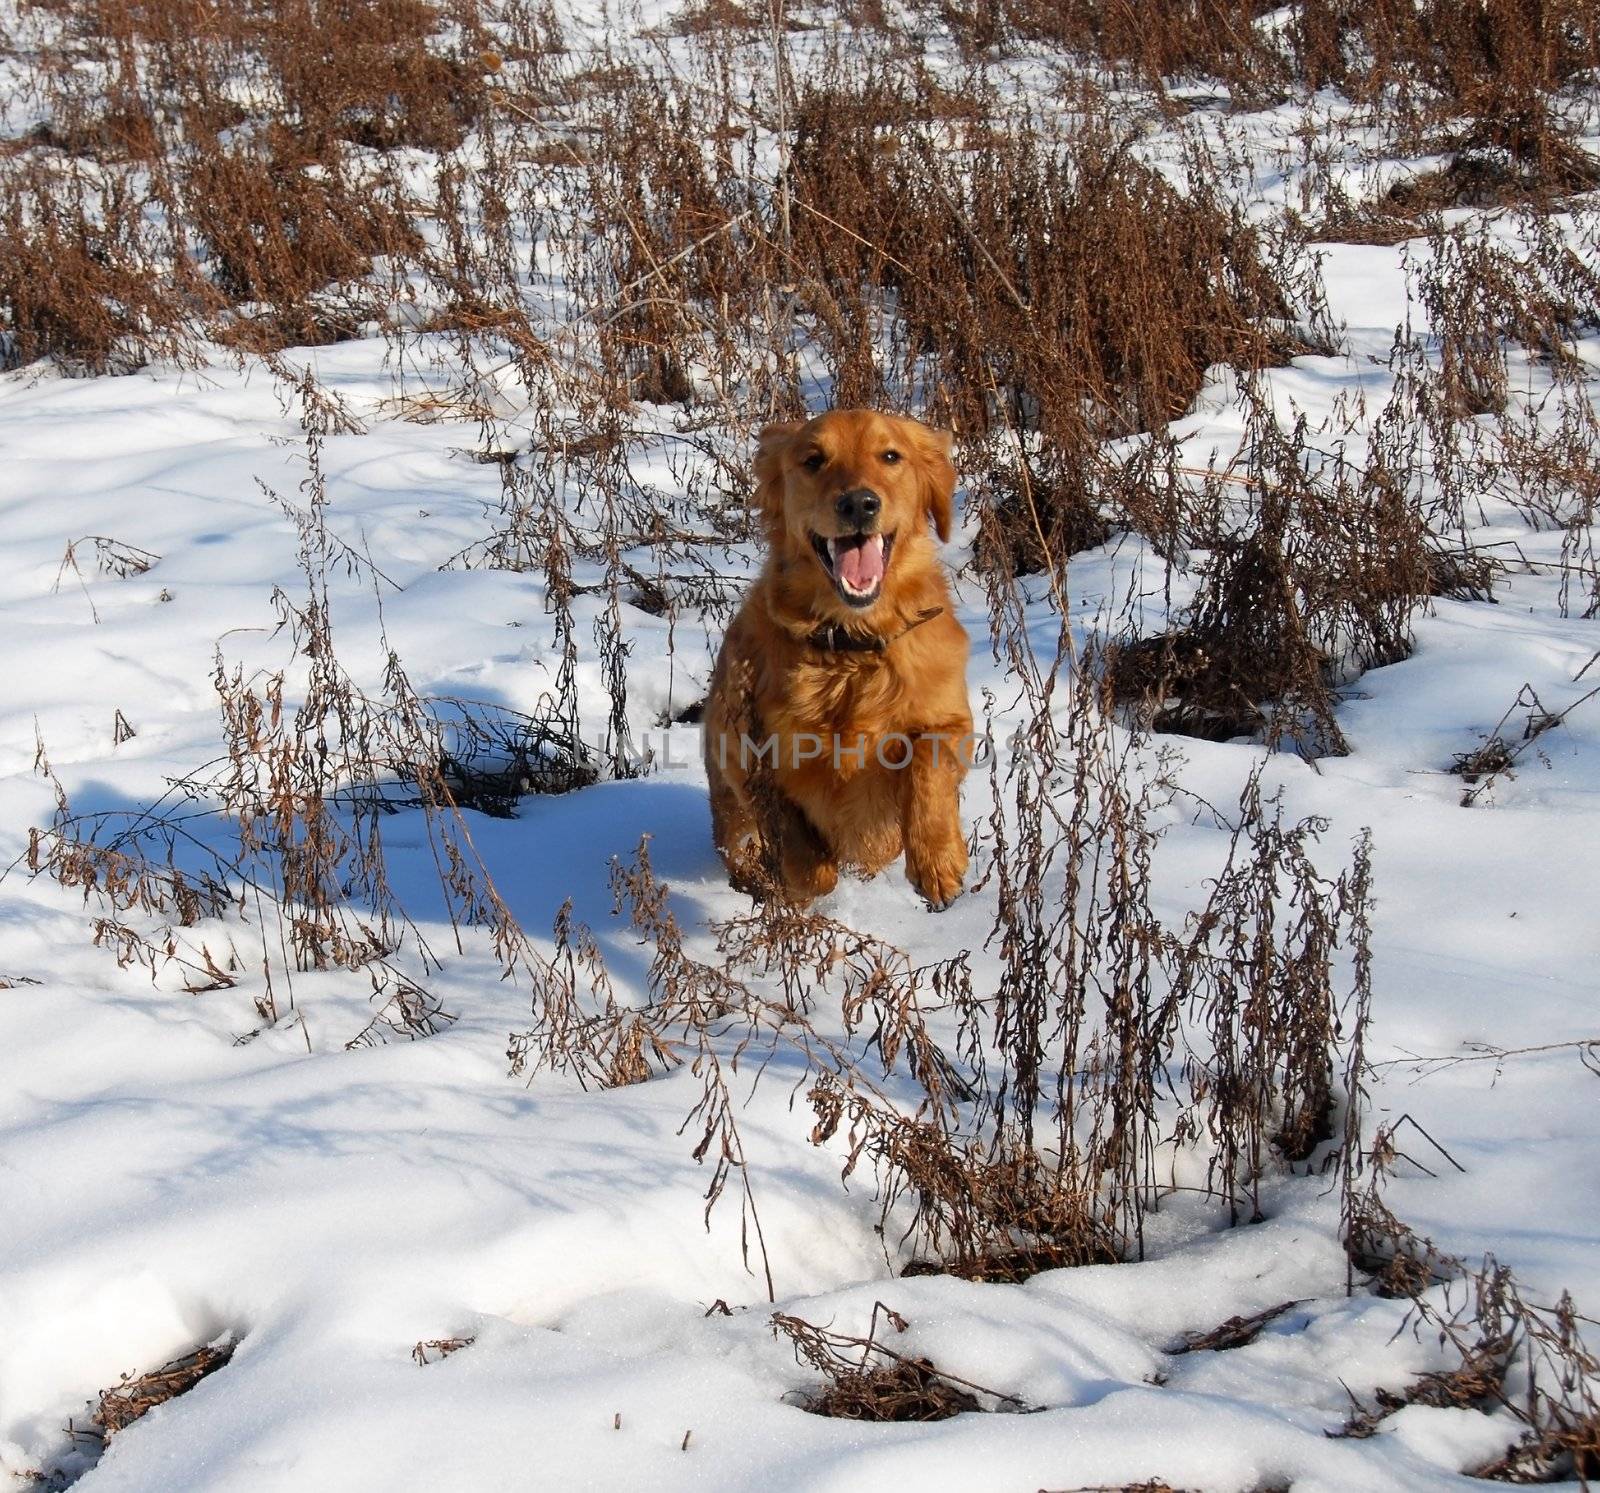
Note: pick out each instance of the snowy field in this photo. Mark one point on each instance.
(176, 1169)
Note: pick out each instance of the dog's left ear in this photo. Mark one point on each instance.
(938, 477)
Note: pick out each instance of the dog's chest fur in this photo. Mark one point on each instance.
(843, 695)
(841, 709)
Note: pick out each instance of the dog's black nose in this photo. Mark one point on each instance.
(858, 507)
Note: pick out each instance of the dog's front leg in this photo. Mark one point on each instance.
(930, 813)
(766, 840)
(734, 829)
(806, 865)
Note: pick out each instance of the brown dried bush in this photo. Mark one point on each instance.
(1414, 54)
(1524, 1362)
(211, 206)
(74, 282)
(1110, 1044)
(282, 839)
(1153, 44)
(1311, 577)
(374, 74)
(1048, 298)
(276, 227)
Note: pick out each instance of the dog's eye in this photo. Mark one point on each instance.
(891, 457)
(814, 462)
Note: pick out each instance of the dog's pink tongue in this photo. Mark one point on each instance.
(860, 565)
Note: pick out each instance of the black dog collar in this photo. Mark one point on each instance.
(836, 639)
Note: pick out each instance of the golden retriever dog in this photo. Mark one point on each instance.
(838, 727)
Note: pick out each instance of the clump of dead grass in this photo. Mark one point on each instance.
(1236, 1332)
(881, 1384)
(1524, 1363)
(138, 1394)
(1313, 569)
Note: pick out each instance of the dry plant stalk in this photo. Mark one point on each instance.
(882, 1384)
(441, 1348)
(288, 839)
(138, 1394)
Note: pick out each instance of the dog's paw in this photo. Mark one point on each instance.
(806, 878)
(938, 875)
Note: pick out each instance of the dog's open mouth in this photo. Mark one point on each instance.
(856, 564)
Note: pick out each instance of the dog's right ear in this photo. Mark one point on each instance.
(771, 447)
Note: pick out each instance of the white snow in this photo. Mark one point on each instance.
(163, 1185)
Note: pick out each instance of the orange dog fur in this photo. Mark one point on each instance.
(838, 727)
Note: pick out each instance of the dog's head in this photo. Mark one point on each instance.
(851, 493)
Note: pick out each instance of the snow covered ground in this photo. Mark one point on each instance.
(163, 1183)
